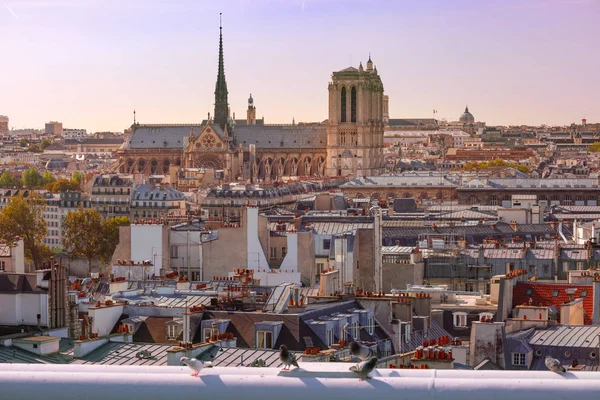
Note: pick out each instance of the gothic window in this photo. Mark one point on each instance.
(343, 139)
(343, 105)
(353, 104)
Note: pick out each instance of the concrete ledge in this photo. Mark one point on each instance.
(314, 380)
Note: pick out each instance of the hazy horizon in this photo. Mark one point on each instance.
(89, 64)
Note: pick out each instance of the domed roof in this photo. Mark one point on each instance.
(467, 116)
(56, 163)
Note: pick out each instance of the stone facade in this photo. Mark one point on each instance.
(248, 149)
(356, 123)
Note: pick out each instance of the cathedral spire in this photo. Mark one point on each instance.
(221, 105)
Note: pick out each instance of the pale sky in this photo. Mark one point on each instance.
(89, 63)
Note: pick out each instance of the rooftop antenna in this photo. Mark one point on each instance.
(134, 116)
(220, 21)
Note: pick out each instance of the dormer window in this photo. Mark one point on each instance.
(173, 331)
(329, 340)
(371, 325)
(460, 319)
(264, 340)
(518, 359)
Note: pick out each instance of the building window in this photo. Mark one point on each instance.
(206, 334)
(173, 332)
(174, 251)
(342, 333)
(518, 359)
(329, 337)
(273, 252)
(353, 104)
(283, 252)
(371, 325)
(355, 330)
(264, 340)
(320, 267)
(343, 108)
(2, 266)
(460, 320)
(326, 244)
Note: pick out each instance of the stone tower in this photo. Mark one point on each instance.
(221, 105)
(251, 112)
(356, 123)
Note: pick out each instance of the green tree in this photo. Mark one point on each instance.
(24, 218)
(23, 142)
(110, 236)
(524, 169)
(594, 147)
(45, 143)
(77, 177)
(7, 180)
(31, 178)
(82, 234)
(47, 178)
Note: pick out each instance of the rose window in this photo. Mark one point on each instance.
(208, 141)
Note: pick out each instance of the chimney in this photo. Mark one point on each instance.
(596, 312)
(487, 341)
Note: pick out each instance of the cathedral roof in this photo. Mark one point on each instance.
(349, 69)
(282, 136)
(160, 136)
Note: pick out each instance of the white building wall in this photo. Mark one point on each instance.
(147, 244)
(290, 262)
(104, 319)
(8, 310)
(184, 255)
(277, 278)
(256, 255)
(23, 308)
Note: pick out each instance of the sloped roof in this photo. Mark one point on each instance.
(18, 283)
(542, 293)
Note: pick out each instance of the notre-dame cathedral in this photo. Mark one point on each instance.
(348, 143)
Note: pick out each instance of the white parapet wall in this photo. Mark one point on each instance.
(311, 381)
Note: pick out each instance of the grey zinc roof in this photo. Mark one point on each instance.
(149, 192)
(236, 357)
(282, 136)
(125, 354)
(338, 228)
(567, 336)
(396, 249)
(155, 136)
(407, 181)
(533, 183)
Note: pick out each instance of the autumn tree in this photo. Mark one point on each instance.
(594, 147)
(7, 180)
(82, 234)
(62, 185)
(110, 236)
(24, 218)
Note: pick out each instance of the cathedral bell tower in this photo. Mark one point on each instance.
(356, 123)
(251, 112)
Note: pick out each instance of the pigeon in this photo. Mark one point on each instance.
(554, 365)
(364, 368)
(195, 364)
(360, 351)
(287, 358)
